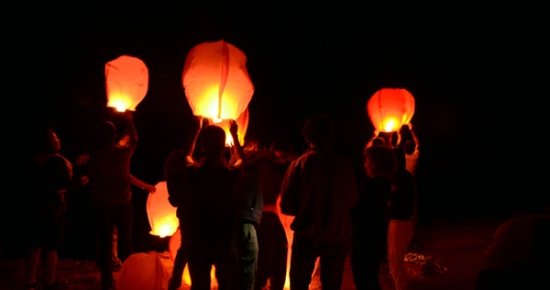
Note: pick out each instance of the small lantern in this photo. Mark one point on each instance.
(389, 109)
(126, 81)
(216, 81)
(161, 214)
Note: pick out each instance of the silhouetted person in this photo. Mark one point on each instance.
(249, 208)
(180, 196)
(400, 210)
(111, 179)
(272, 256)
(52, 175)
(319, 190)
(212, 215)
(369, 217)
(518, 256)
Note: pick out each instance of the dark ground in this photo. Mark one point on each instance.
(456, 248)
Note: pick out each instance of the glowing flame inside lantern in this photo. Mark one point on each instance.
(173, 246)
(161, 214)
(118, 103)
(126, 81)
(389, 109)
(389, 125)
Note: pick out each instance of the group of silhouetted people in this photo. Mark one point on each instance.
(231, 207)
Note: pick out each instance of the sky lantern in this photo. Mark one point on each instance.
(173, 246)
(161, 214)
(216, 81)
(389, 109)
(126, 81)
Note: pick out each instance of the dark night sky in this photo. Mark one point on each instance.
(478, 73)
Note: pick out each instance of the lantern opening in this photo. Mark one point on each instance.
(389, 125)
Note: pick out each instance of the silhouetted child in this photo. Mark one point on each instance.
(111, 179)
(212, 215)
(52, 175)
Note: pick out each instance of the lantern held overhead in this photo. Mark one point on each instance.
(216, 81)
(126, 81)
(389, 109)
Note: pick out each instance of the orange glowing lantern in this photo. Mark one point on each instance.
(126, 80)
(173, 246)
(161, 214)
(216, 81)
(389, 109)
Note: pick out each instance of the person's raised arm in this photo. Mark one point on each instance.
(190, 147)
(414, 136)
(130, 134)
(233, 129)
(142, 185)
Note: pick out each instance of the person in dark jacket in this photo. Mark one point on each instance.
(369, 217)
(319, 189)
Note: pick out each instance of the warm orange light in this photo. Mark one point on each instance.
(216, 81)
(161, 214)
(242, 123)
(287, 220)
(389, 109)
(126, 81)
(173, 246)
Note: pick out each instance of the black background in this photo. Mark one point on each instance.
(478, 72)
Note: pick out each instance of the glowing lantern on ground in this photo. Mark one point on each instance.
(216, 81)
(126, 80)
(161, 214)
(287, 220)
(389, 109)
(143, 271)
(173, 246)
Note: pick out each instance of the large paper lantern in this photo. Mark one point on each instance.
(126, 81)
(389, 109)
(161, 214)
(216, 81)
(173, 246)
